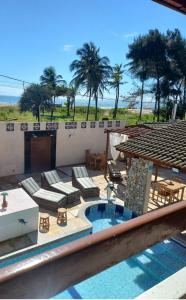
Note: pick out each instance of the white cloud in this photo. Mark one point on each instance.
(123, 36)
(67, 47)
(130, 34)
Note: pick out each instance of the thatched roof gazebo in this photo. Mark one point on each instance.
(165, 147)
(132, 131)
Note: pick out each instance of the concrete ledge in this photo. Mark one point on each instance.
(171, 288)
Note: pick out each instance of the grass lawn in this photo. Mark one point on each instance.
(12, 113)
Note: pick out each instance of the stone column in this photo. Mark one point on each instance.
(138, 185)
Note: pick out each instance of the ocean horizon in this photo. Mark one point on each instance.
(104, 104)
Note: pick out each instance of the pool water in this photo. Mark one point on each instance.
(133, 276)
(126, 279)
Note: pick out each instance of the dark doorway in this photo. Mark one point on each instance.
(40, 151)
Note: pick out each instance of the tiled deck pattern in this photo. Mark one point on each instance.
(74, 222)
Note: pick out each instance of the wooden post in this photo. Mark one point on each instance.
(155, 179)
(107, 151)
(130, 162)
(156, 173)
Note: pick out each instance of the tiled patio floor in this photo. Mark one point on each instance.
(74, 222)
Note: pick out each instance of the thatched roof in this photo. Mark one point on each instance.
(166, 147)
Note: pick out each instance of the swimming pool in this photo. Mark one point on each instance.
(133, 276)
(126, 279)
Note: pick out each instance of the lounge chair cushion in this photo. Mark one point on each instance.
(86, 183)
(64, 188)
(50, 196)
(80, 172)
(52, 177)
(113, 169)
(30, 185)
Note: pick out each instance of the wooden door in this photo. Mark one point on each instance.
(40, 153)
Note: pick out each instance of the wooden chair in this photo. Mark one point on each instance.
(87, 157)
(161, 194)
(176, 193)
(101, 161)
(90, 159)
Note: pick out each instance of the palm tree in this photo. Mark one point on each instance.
(101, 80)
(73, 92)
(177, 53)
(52, 80)
(142, 75)
(91, 72)
(35, 98)
(149, 55)
(117, 76)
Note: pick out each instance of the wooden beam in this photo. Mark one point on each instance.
(155, 161)
(48, 273)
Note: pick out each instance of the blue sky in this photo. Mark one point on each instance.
(38, 33)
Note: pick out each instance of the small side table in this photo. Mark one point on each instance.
(61, 216)
(44, 223)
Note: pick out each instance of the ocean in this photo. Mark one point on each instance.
(106, 104)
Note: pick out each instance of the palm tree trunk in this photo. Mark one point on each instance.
(155, 107)
(38, 114)
(88, 108)
(96, 112)
(68, 106)
(52, 107)
(184, 92)
(74, 109)
(141, 103)
(116, 103)
(158, 95)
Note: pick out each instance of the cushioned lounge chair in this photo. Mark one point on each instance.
(44, 198)
(114, 172)
(82, 181)
(52, 181)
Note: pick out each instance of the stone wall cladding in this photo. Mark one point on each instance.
(138, 185)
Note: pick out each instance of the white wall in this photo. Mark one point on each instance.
(11, 150)
(70, 145)
(11, 228)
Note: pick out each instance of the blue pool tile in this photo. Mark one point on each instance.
(134, 215)
(87, 211)
(127, 213)
(101, 207)
(119, 210)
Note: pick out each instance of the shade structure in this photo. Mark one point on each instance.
(165, 147)
(131, 131)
